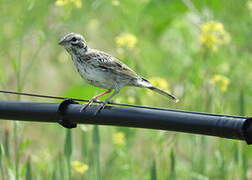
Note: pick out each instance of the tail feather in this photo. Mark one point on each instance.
(174, 98)
(141, 82)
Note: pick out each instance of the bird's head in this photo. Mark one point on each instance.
(74, 43)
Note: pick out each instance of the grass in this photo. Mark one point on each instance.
(166, 47)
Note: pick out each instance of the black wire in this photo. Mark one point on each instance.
(41, 96)
(75, 99)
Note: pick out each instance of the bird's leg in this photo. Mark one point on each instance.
(94, 99)
(107, 100)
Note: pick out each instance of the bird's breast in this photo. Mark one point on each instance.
(93, 75)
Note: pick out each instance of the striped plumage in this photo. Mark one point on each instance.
(103, 70)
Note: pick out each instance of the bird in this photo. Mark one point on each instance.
(103, 70)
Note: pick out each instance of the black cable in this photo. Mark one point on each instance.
(213, 125)
(228, 126)
(41, 96)
(76, 99)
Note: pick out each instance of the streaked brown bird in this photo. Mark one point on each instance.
(103, 70)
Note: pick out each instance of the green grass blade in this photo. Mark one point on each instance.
(1, 162)
(61, 167)
(68, 151)
(68, 144)
(173, 166)
(153, 171)
(56, 170)
(96, 152)
(84, 145)
(241, 104)
(16, 149)
(28, 170)
(6, 144)
(96, 136)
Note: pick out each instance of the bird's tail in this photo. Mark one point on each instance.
(174, 98)
(141, 82)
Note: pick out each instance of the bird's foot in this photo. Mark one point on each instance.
(87, 105)
(101, 107)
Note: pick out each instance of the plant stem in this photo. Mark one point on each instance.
(19, 89)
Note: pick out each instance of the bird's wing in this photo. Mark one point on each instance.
(110, 63)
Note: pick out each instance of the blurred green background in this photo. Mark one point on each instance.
(198, 50)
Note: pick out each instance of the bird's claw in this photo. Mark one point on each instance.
(87, 105)
(91, 102)
(101, 107)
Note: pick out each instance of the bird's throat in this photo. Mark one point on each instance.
(76, 51)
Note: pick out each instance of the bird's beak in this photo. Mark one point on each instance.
(62, 42)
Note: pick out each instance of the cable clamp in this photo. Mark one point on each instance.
(64, 121)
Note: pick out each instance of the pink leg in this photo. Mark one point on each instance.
(94, 99)
(102, 94)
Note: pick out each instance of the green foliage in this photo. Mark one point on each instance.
(167, 45)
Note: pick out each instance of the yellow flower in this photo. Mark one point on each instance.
(77, 3)
(79, 167)
(212, 35)
(160, 83)
(249, 5)
(61, 2)
(126, 40)
(119, 138)
(115, 2)
(221, 81)
(212, 26)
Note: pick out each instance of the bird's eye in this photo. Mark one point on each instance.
(74, 39)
